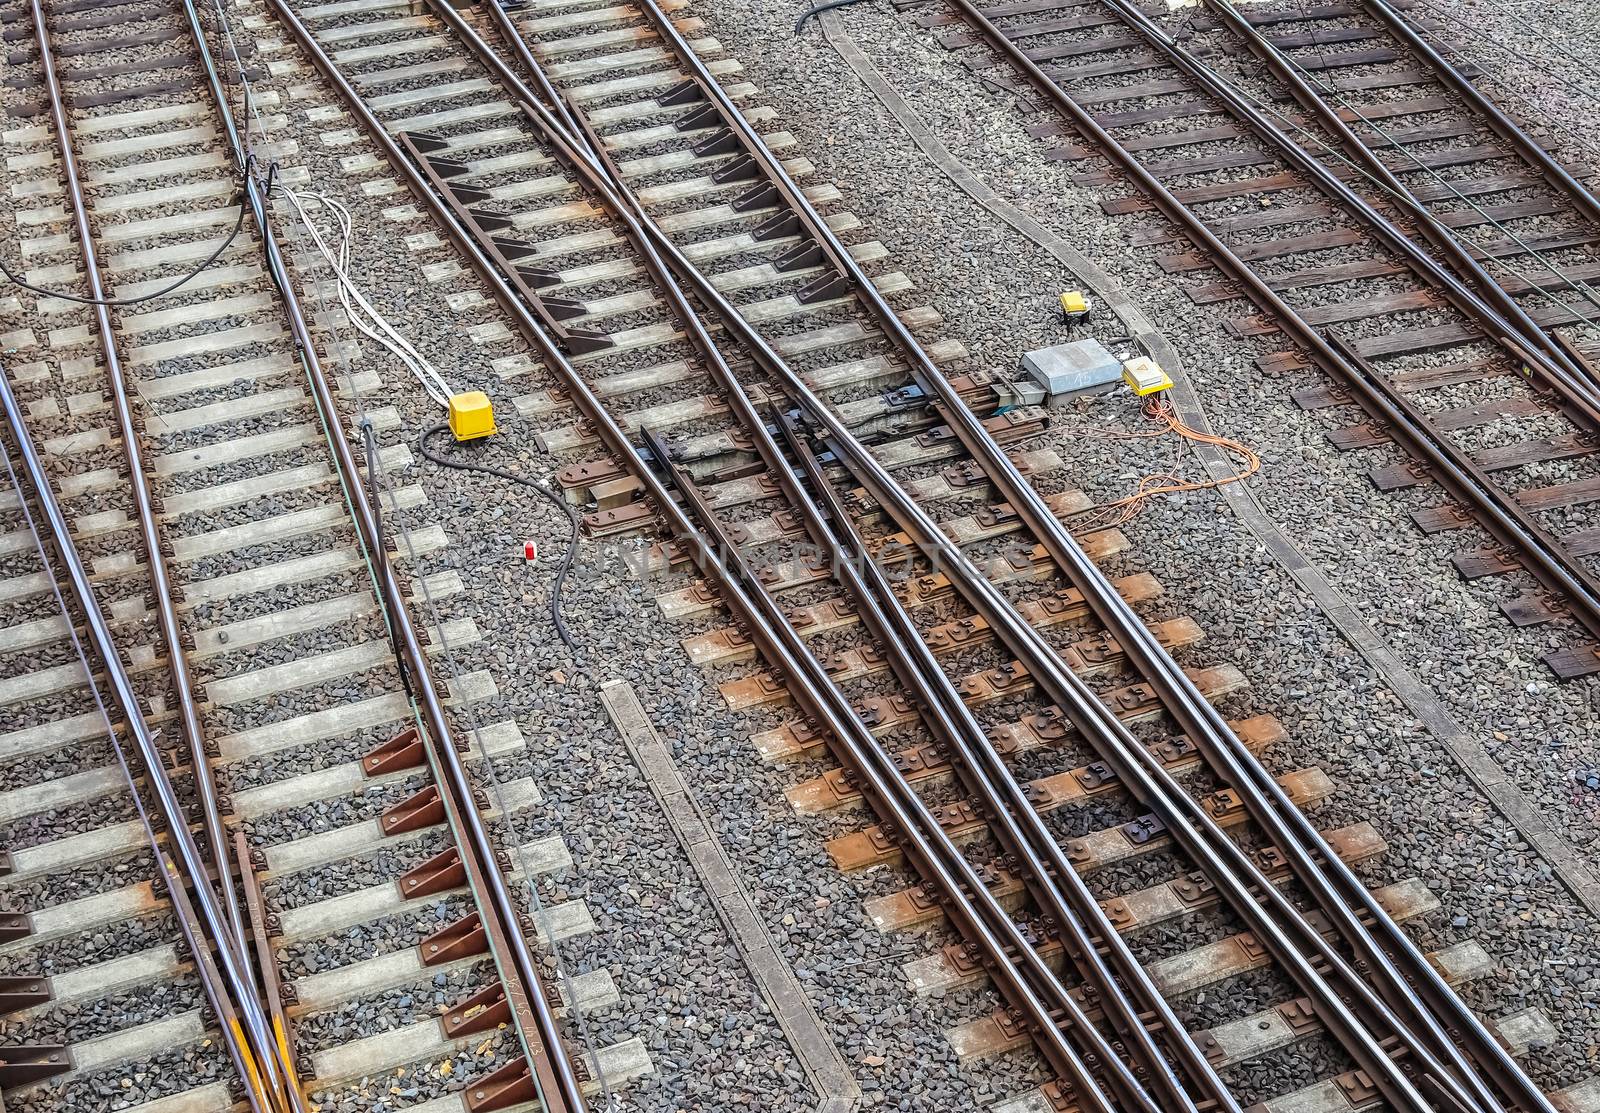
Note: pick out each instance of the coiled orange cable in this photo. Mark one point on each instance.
(1110, 514)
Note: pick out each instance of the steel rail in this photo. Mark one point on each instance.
(537, 1028)
(610, 434)
(1380, 1066)
(1323, 976)
(219, 913)
(995, 786)
(256, 1087)
(1008, 812)
(1002, 799)
(228, 993)
(1502, 125)
(549, 95)
(709, 89)
(1436, 231)
(1019, 828)
(1556, 569)
(997, 803)
(586, 154)
(1162, 792)
(1483, 1048)
(139, 489)
(1069, 686)
(968, 746)
(1546, 566)
(1567, 382)
(1552, 566)
(558, 1084)
(983, 932)
(1337, 1016)
(936, 856)
(1510, 525)
(1130, 630)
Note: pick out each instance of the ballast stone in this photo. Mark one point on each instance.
(1064, 370)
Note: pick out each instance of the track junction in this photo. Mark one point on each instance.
(878, 555)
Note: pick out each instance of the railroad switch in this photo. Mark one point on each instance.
(471, 415)
(1145, 377)
(1074, 306)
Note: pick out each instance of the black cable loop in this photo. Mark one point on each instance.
(522, 480)
(817, 9)
(238, 223)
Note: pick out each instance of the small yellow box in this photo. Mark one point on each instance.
(1074, 304)
(1144, 376)
(471, 415)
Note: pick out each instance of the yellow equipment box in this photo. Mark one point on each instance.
(471, 415)
(1074, 305)
(1144, 376)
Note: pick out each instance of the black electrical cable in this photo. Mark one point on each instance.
(369, 441)
(239, 197)
(522, 480)
(818, 9)
(238, 223)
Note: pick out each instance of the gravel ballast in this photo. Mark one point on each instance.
(1339, 715)
(685, 993)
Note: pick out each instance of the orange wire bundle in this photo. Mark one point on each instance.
(1170, 482)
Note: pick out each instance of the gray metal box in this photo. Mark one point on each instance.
(1074, 368)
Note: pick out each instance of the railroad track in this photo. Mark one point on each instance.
(1328, 164)
(749, 387)
(379, 852)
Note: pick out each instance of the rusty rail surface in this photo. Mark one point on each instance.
(257, 1036)
(1300, 947)
(1409, 981)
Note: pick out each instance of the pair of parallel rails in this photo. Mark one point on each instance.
(1113, 1040)
(1403, 234)
(482, 111)
(221, 410)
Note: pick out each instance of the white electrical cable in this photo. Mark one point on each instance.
(369, 321)
(438, 390)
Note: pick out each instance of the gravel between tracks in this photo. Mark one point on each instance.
(1539, 61)
(714, 1045)
(996, 291)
